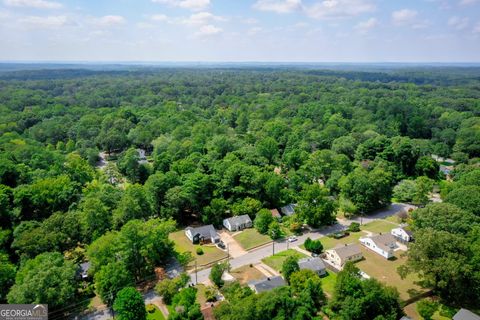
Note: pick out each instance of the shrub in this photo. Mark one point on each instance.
(150, 308)
(354, 227)
(314, 246)
(199, 251)
(426, 309)
(217, 272)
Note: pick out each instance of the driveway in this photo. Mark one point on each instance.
(256, 255)
(234, 248)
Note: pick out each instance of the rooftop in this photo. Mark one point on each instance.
(347, 250)
(268, 283)
(314, 264)
(464, 314)
(239, 219)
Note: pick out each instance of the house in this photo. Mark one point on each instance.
(342, 254)
(402, 235)
(203, 234)
(238, 223)
(464, 314)
(315, 264)
(288, 210)
(383, 244)
(275, 213)
(267, 284)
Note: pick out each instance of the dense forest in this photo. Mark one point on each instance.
(231, 141)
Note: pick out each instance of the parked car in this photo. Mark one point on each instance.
(292, 239)
(364, 275)
(221, 245)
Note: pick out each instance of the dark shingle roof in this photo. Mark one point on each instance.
(207, 231)
(314, 264)
(268, 284)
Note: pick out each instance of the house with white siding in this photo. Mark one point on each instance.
(383, 244)
(238, 223)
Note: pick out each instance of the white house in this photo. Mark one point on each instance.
(342, 254)
(402, 235)
(238, 223)
(202, 234)
(383, 244)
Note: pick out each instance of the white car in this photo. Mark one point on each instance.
(292, 239)
(364, 275)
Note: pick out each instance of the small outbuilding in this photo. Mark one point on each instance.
(238, 223)
(288, 210)
(203, 234)
(403, 235)
(315, 264)
(275, 213)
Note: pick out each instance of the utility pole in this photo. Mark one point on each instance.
(196, 275)
(273, 247)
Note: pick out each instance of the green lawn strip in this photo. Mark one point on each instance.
(201, 298)
(277, 260)
(328, 283)
(210, 252)
(251, 238)
(385, 271)
(157, 315)
(379, 226)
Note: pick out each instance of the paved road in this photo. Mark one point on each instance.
(256, 255)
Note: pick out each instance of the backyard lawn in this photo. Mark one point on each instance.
(246, 274)
(386, 271)
(379, 226)
(250, 238)
(156, 315)
(210, 252)
(328, 283)
(277, 260)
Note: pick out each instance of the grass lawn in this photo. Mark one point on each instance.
(157, 315)
(393, 219)
(386, 271)
(210, 252)
(379, 226)
(201, 299)
(328, 283)
(246, 273)
(250, 238)
(277, 260)
(329, 243)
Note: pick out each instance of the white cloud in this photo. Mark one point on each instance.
(335, 9)
(458, 23)
(278, 6)
(255, 30)
(365, 26)
(195, 5)
(467, 2)
(208, 30)
(39, 4)
(159, 17)
(107, 21)
(44, 22)
(404, 16)
(477, 28)
(201, 18)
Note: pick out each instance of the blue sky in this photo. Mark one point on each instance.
(241, 30)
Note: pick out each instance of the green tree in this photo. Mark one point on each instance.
(314, 246)
(466, 198)
(426, 166)
(426, 309)
(129, 305)
(47, 278)
(289, 266)
(248, 206)
(167, 288)
(7, 276)
(268, 148)
(133, 205)
(110, 279)
(274, 230)
(186, 306)
(263, 220)
(129, 165)
(315, 206)
(215, 212)
(308, 285)
(217, 272)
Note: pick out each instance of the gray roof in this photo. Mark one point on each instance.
(347, 250)
(268, 284)
(314, 264)
(84, 267)
(207, 231)
(288, 210)
(382, 240)
(464, 314)
(239, 220)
